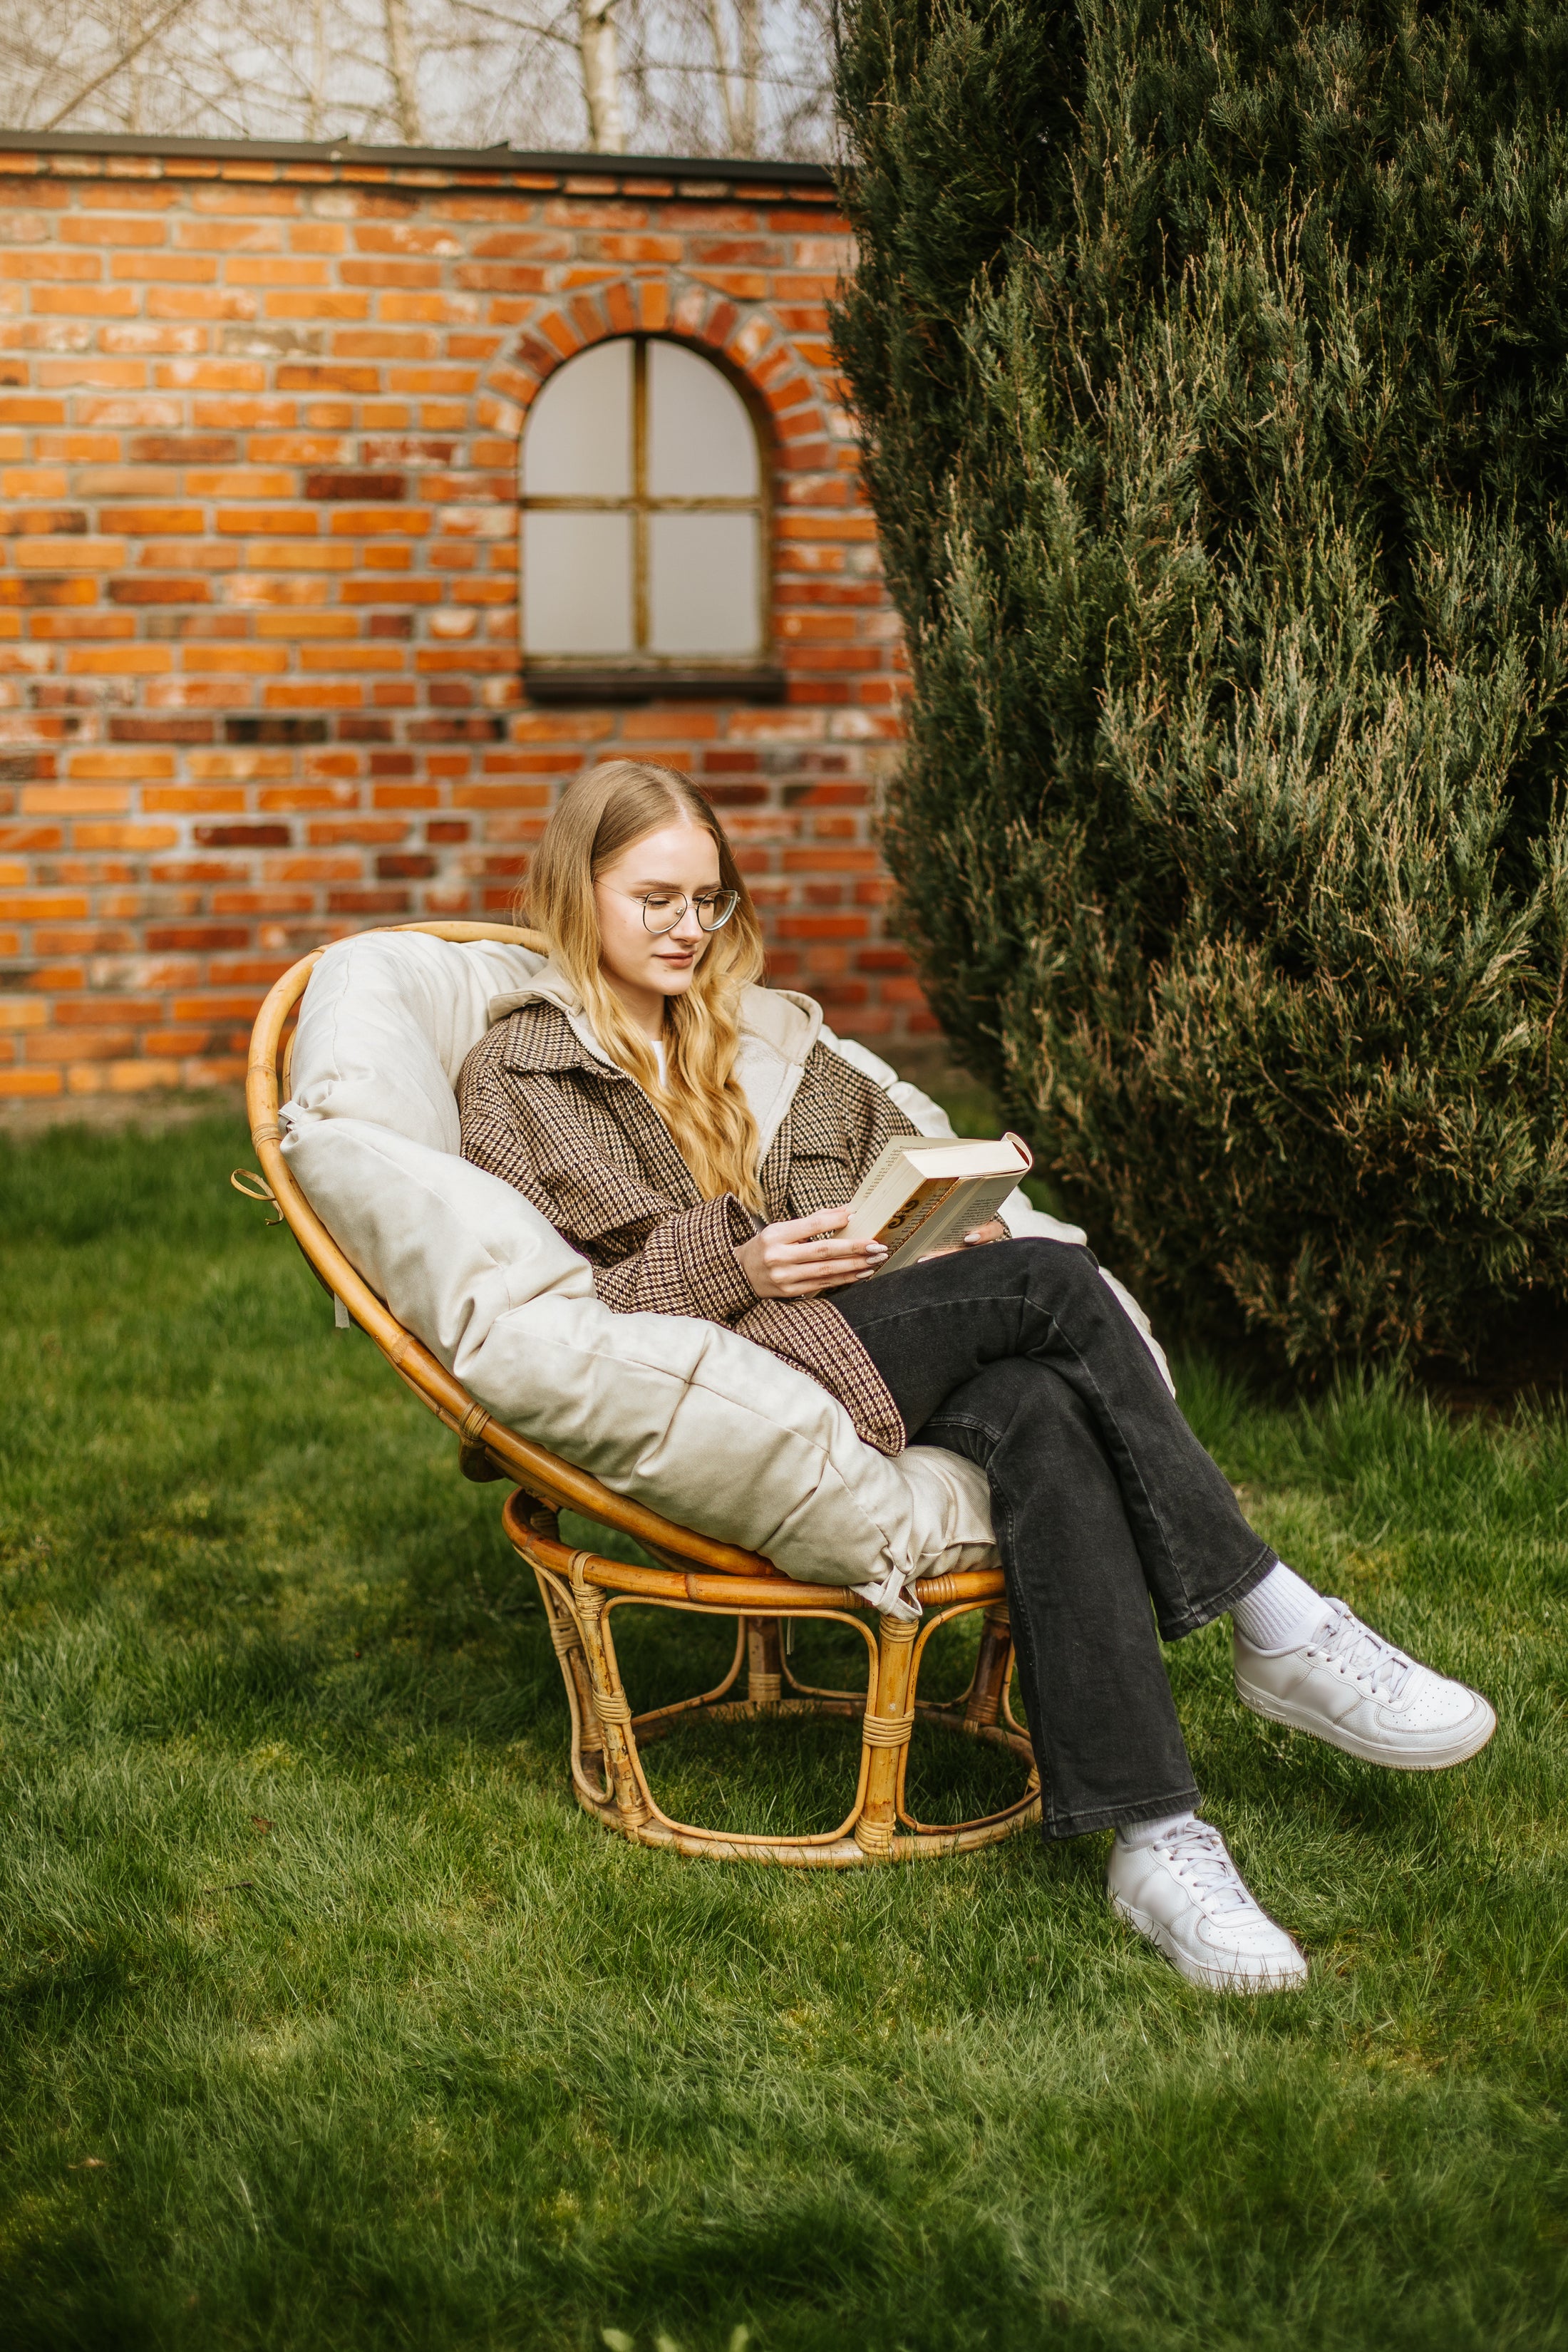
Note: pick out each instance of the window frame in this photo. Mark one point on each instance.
(640, 674)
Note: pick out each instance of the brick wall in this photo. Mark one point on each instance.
(259, 683)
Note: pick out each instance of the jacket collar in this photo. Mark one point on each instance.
(540, 1038)
(550, 989)
(778, 1030)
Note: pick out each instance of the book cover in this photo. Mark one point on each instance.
(923, 1193)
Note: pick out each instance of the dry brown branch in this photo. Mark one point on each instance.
(700, 76)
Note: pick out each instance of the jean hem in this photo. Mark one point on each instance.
(1190, 1620)
(1060, 1826)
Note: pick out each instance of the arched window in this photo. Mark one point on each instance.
(644, 527)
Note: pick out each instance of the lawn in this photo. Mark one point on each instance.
(330, 2022)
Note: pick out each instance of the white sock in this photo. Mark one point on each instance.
(1145, 1832)
(1280, 1612)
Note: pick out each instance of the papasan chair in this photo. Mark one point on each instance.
(741, 1480)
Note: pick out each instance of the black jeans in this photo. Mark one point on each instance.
(1017, 1355)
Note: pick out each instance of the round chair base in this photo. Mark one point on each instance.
(581, 1591)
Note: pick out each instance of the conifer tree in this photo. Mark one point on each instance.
(1211, 358)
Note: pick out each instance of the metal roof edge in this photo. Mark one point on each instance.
(565, 162)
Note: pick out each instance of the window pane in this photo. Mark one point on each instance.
(703, 584)
(578, 441)
(577, 584)
(700, 441)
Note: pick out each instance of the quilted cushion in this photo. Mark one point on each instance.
(387, 1024)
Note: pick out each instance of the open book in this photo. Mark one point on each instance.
(925, 1192)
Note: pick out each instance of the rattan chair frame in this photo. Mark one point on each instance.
(581, 1590)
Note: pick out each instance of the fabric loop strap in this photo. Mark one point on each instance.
(251, 1185)
(887, 1730)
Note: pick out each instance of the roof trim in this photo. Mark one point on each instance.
(562, 163)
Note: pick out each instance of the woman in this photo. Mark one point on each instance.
(623, 1096)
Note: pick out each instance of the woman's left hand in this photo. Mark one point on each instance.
(995, 1232)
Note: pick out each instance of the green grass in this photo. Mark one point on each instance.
(431, 2060)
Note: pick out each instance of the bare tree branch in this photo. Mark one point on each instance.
(117, 65)
(401, 66)
(517, 24)
(684, 76)
(721, 66)
(750, 15)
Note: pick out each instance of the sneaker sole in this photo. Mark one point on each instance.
(1457, 1751)
(1286, 1978)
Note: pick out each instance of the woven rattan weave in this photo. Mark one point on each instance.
(581, 1590)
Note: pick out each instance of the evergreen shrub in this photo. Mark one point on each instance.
(1212, 365)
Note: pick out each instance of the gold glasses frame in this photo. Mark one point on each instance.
(642, 898)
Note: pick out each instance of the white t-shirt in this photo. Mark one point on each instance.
(658, 1043)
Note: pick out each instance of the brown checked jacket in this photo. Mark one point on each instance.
(544, 1109)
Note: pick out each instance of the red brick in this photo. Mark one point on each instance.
(189, 590)
(822, 927)
(199, 936)
(37, 264)
(242, 836)
(362, 486)
(363, 902)
(390, 728)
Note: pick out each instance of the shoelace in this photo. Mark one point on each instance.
(1363, 1654)
(1201, 1860)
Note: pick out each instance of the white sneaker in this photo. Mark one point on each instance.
(1351, 1687)
(1183, 1891)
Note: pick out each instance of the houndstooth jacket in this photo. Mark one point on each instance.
(579, 1138)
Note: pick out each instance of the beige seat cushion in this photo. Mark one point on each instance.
(690, 1418)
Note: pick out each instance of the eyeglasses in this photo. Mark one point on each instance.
(662, 910)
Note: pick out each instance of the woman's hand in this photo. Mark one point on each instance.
(799, 1259)
(995, 1232)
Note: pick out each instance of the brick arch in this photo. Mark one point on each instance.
(745, 339)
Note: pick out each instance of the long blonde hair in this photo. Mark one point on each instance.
(599, 816)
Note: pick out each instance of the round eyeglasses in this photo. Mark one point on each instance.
(662, 910)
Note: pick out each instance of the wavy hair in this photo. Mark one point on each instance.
(599, 816)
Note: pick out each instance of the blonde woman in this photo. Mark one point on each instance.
(628, 1095)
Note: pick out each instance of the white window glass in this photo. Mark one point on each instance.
(643, 529)
(577, 583)
(579, 440)
(701, 444)
(702, 584)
